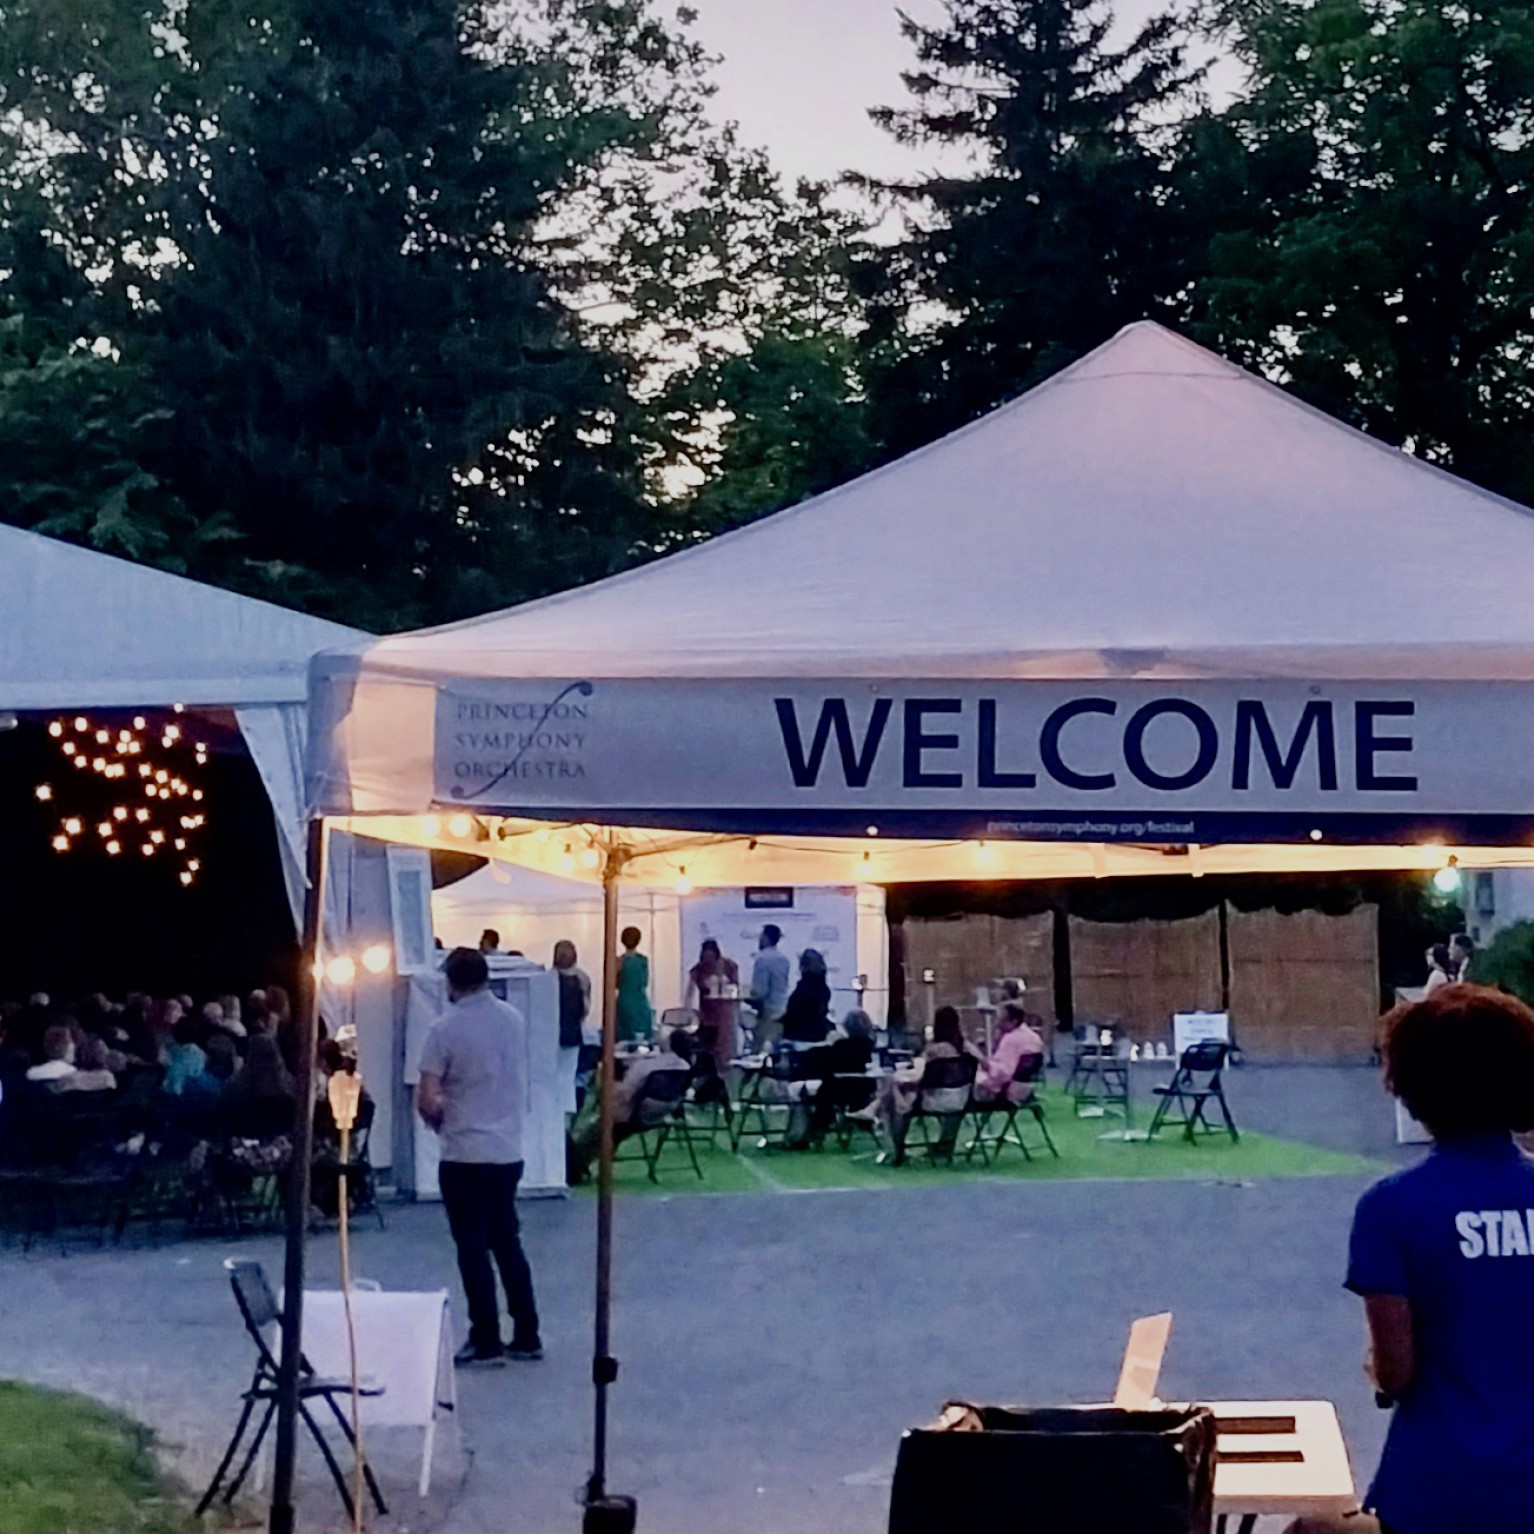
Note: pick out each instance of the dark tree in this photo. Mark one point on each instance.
(1059, 236)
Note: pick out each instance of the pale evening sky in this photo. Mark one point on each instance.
(800, 75)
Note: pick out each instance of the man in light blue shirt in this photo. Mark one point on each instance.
(769, 987)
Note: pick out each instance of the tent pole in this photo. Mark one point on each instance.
(604, 1513)
(297, 1222)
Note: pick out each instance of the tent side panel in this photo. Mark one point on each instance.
(1139, 973)
(1305, 986)
(974, 950)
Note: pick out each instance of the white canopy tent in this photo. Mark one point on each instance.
(1153, 604)
(86, 630)
(1155, 614)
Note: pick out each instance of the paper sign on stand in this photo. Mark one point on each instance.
(404, 1344)
(1190, 1028)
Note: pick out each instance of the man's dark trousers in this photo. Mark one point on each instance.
(481, 1203)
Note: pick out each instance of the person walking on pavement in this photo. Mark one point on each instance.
(474, 1092)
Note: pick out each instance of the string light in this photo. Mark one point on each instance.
(590, 858)
(683, 883)
(160, 779)
(567, 860)
(460, 825)
(375, 958)
(431, 825)
(341, 970)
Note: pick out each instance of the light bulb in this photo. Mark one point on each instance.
(44, 792)
(104, 830)
(178, 708)
(985, 853)
(61, 844)
(147, 849)
(197, 793)
(161, 776)
(683, 883)
(317, 970)
(567, 859)
(172, 733)
(72, 826)
(99, 763)
(460, 825)
(138, 721)
(1447, 880)
(186, 878)
(82, 723)
(431, 825)
(541, 834)
(55, 729)
(141, 815)
(1315, 836)
(103, 736)
(180, 844)
(193, 864)
(113, 848)
(590, 858)
(341, 970)
(375, 958)
(157, 837)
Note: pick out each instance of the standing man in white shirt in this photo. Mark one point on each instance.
(473, 1091)
(769, 987)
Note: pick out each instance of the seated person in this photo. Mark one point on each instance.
(1016, 1040)
(58, 1059)
(184, 1058)
(834, 1065)
(897, 1096)
(807, 1019)
(221, 1066)
(261, 1101)
(585, 1135)
(1442, 1256)
(92, 1073)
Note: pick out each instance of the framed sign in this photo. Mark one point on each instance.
(410, 909)
(1190, 1028)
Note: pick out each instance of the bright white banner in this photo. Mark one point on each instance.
(1218, 761)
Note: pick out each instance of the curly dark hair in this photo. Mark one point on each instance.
(1463, 1061)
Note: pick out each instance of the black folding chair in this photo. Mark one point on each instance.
(943, 1103)
(779, 1087)
(1195, 1084)
(659, 1111)
(1008, 1108)
(258, 1309)
(356, 1175)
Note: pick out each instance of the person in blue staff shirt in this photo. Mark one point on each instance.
(1443, 1257)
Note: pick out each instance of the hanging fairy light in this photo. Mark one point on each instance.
(170, 777)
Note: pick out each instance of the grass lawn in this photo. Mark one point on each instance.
(1083, 1154)
(71, 1466)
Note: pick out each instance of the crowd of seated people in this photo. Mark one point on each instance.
(148, 1076)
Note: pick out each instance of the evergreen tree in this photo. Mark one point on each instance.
(335, 252)
(1376, 188)
(1059, 237)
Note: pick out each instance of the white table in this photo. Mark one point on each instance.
(1319, 1482)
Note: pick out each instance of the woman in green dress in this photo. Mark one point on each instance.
(635, 1020)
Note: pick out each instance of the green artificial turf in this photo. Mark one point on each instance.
(71, 1466)
(1083, 1155)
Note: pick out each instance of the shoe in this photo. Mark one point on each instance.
(864, 1116)
(525, 1352)
(471, 1357)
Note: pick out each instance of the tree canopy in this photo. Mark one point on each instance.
(407, 309)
